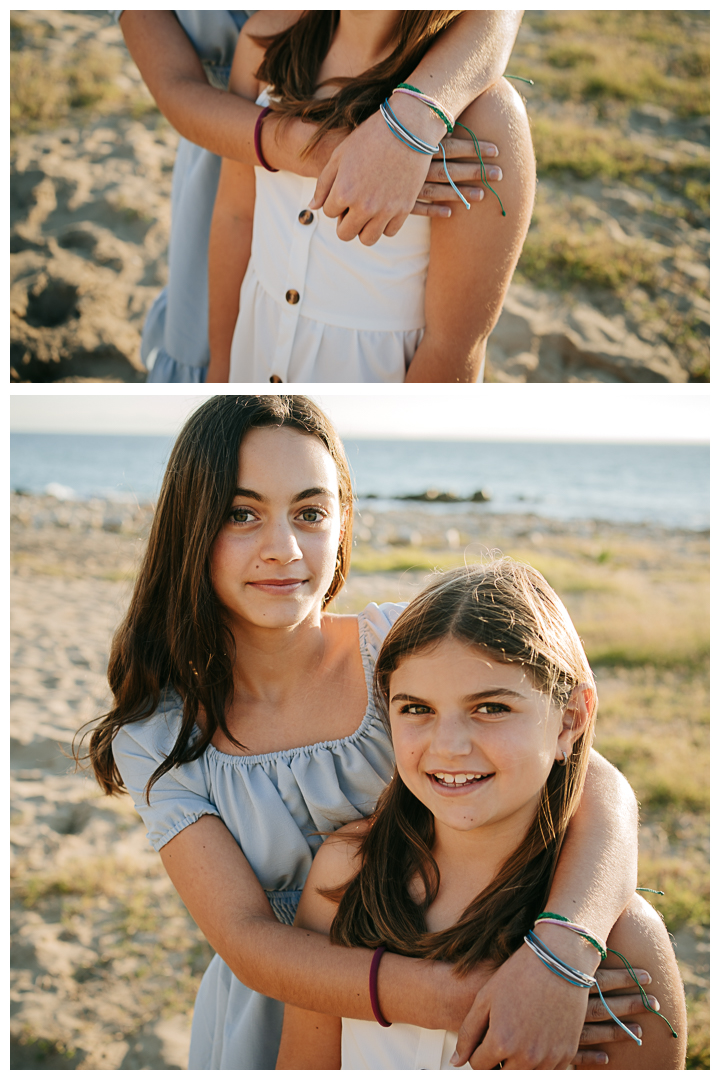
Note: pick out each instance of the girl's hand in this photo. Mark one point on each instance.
(466, 172)
(599, 1028)
(555, 1018)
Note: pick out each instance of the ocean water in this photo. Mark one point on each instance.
(665, 484)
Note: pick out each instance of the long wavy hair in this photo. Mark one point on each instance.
(294, 56)
(173, 635)
(510, 611)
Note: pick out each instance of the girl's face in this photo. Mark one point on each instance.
(274, 558)
(474, 739)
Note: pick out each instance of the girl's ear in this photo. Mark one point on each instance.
(575, 719)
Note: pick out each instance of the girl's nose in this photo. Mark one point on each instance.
(280, 544)
(451, 737)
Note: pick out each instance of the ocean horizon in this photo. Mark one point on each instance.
(667, 484)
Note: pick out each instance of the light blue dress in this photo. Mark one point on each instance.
(275, 805)
(174, 344)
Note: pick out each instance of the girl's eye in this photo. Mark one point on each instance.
(493, 708)
(241, 515)
(312, 515)
(415, 710)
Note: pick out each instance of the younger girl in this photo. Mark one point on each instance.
(416, 306)
(490, 703)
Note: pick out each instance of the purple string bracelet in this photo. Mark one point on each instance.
(374, 1003)
(258, 147)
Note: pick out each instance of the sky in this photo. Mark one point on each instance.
(593, 413)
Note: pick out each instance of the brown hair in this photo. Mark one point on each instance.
(294, 56)
(510, 611)
(173, 634)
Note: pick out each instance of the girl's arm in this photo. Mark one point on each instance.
(594, 881)
(312, 1040)
(220, 122)
(225, 124)
(300, 967)
(473, 254)
(371, 178)
(231, 228)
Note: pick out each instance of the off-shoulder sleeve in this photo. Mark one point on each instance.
(375, 623)
(178, 798)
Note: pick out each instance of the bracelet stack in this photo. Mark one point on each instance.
(571, 975)
(560, 920)
(579, 978)
(414, 142)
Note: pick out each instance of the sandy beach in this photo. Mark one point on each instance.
(612, 286)
(105, 960)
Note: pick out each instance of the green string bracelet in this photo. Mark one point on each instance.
(544, 915)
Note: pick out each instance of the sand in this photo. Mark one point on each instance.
(105, 960)
(90, 224)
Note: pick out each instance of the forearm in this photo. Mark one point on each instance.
(302, 968)
(218, 121)
(228, 256)
(295, 965)
(467, 58)
(597, 871)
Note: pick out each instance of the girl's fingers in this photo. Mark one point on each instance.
(620, 979)
(625, 1005)
(590, 1057)
(599, 1034)
(444, 193)
(463, 173)
(465, 148)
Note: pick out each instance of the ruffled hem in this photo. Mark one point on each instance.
(163, 368)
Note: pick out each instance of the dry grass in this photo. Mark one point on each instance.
(50, 86)
(625, 57)
(617, 100)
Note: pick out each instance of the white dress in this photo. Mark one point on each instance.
(366, 1045)
(314, 308)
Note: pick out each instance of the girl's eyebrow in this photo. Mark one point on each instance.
(500, 691)
(309, 493)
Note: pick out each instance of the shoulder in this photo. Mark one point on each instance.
(335, 864)
(338, 859)
(376, 621)
(249, 53)
(264, 23)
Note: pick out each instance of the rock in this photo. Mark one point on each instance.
(543, 337)
(431, 495)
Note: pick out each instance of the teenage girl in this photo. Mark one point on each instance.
(490, 703)
(185, 58)
(417, 306)
(244, 727)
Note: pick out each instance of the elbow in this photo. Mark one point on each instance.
(245, 949)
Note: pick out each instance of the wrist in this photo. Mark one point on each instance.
(574, 950)
(418, 118)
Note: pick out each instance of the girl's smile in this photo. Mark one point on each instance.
(474, 739)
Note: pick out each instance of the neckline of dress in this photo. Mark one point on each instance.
(325, 744)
